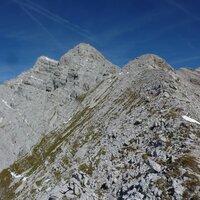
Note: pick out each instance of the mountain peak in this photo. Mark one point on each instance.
(81, 53)
(155, 60)
(85, 46)
(147, 62)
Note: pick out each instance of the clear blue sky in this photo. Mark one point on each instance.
(120, 29)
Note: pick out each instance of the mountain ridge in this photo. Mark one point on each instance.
(123, 137)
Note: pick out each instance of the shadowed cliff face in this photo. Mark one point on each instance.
(82, 128)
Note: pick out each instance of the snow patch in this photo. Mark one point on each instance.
(190, 119)
(48, 59)
(15, 175)
(1, 120)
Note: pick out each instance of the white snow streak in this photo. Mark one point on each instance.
(15, 175)
(18, 176)
(33, 77)
(49, 59)
(6, 103)
(190, 119)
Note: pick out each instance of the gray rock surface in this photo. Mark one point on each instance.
(82, 128)
(42, 98)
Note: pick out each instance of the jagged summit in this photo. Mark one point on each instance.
(81, 67)
(44, 62)
(84, 49)
(85, 57)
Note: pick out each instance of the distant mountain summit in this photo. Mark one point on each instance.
(83, 128)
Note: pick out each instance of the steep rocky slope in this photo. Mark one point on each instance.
(100, 132)
(42, 98)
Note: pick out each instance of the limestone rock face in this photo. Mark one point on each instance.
(45, 97)
(86, 67)
(82, 128)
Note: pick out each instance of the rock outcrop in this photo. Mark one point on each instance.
(43, 98)
(82, 128)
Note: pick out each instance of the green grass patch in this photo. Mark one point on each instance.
(88, 169)
(81, 98)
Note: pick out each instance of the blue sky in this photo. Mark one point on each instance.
(120, 29)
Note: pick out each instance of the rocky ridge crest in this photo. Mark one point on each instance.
(100, 132)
